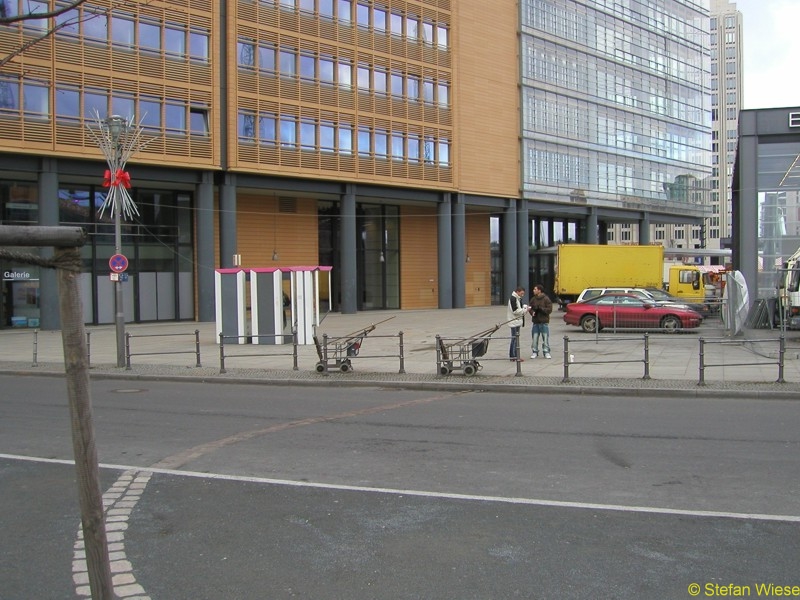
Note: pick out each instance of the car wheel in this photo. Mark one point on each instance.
(589, 323)
(670, 324)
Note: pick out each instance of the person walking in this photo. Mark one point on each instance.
(515, 315)
(540, 308)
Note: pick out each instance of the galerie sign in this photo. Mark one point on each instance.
(17, 275)
(794, 119)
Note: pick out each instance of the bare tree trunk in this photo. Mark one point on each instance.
(76, 363)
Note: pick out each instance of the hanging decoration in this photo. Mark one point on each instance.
(118, 139)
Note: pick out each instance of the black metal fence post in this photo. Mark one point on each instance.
(646, 357)
(402, 359)
(197, 345)
(127, 351)
(701, 361)
(221, 353)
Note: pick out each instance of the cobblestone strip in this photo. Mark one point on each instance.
(119, 501)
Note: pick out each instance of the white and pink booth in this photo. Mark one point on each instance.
(280, 298)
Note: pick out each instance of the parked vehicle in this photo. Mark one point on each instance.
(662, 297)
(629, 311)
(789, 290)
(656, 295)
(581, 266)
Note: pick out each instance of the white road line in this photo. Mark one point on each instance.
(426, 494)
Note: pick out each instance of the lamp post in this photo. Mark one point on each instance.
(116, 127)
(118, 138)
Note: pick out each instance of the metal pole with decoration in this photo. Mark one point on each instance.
(118, 139)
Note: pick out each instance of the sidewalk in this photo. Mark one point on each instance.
(611, 361)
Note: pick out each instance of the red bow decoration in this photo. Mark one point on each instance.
(120, 178)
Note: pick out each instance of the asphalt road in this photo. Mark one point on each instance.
(236, 491)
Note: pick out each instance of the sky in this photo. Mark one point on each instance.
(771, 52)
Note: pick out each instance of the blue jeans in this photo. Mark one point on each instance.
(540, 331)
(513, 351)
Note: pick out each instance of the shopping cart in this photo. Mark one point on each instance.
(341, 350)
(462, 355)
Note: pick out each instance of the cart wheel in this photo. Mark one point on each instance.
(469, 370)
(320, 368)
(346, 366)
(444, 370)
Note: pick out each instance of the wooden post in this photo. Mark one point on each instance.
(76, 364)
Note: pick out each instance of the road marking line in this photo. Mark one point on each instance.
(427, 494)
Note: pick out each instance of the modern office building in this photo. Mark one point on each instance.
(389, 140)
(766, 196)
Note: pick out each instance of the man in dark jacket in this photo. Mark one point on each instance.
(540, 309)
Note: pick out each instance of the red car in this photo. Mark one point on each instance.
(629, 311)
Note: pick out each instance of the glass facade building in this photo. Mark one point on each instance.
(615, 105)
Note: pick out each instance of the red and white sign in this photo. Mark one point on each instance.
(118, 263)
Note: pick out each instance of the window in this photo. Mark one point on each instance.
(68, 22)
(397, 145)
(427, 33)
(266, 59)
(363, 77)
(149, 36)
(327, 69)
(380, 76)
(288, 131)
(175, 117)
(123, 106)
(288, 66)
(246, 53)
(150, 113)
(397, 84)
(36, 99)
(412, 83)
(444, 153)
(345, 74)
(307, 6)
(246, 126)
(381, 143)
(68, 102)
(327, 136)
(441, 36)
(267, 130)
(32, 7)
(198, 120)
(308, 67)
(412, 28)
(94, 104)
(443, 94)
(175, 39)
(95, 26)
(413, 147)
(362, 15)
(396, 24)
(9, 95)
(345, 138)
(198, 44)
(379, 19)
(308, 134)
(122, 30)
(427, 91)
(363, 142)
(344, 10)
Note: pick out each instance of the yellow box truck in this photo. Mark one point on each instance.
(581, 266)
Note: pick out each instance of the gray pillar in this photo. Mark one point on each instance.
(523, 245)
(746, 225)
(49, 304)
(204, 226)
(444, 252)
(347, 252)
(644, 230)
(510, 248)
(459, 253)
(227, 221)
(591, 236)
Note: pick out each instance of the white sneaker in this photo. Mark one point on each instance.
(534, 355)
(547, 355)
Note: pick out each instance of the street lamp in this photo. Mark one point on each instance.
(116, 127)
(118, 138)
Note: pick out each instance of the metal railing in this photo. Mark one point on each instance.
(703, 365)
(569, 356)
(129, 336)
(272, 336)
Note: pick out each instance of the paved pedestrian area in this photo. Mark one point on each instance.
(403, 352)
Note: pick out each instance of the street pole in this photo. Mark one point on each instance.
(116, 124)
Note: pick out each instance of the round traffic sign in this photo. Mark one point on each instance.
(118, 263)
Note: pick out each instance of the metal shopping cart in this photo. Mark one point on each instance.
(341, 350)
(462, 354)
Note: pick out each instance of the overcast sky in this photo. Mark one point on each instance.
(771, 50)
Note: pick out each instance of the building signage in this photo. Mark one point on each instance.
(794, 119)
(18, 275)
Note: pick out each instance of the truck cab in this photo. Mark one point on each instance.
(696, 286)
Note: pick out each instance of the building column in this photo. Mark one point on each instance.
(347, 252)
(227, 221)
(590, 234)
(49, 303)
(523, 244)
(509, 249)
(459, 252)
(745, 222)
(204, 227)
(444, 251)
(644, 230)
